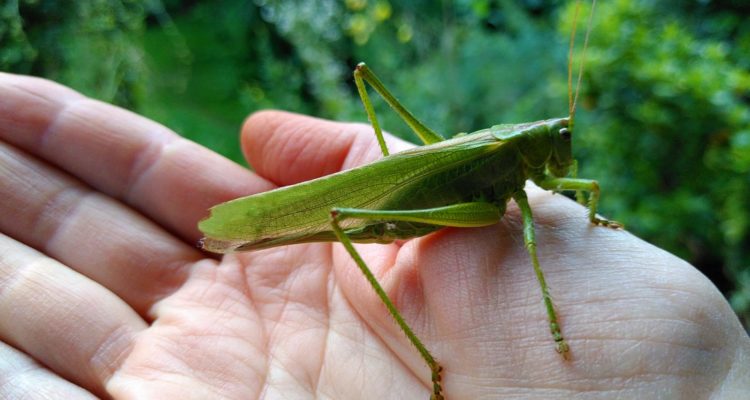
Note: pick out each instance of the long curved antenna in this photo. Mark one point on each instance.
(571, 107)
(573, 100)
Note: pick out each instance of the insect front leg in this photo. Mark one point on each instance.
(530, 240)
(586, 185)
(580, 198)
(472, 214)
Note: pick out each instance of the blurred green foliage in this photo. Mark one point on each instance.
(664, 113)
(89, 45)
(669, 130)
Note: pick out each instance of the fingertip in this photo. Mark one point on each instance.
(288, 148)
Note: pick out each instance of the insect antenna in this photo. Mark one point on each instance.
(572, 100)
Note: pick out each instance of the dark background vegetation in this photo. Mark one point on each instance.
(663, 122)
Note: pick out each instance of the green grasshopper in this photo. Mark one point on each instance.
(461, 182)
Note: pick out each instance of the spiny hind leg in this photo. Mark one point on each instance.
(363, 74)
(530, 241)
(461, 215)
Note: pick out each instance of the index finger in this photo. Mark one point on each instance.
(140, 162)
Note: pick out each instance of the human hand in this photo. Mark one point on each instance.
(103, 293)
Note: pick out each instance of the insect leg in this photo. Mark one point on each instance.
(580, 198)
(530, 241)
(369, 110)
(362, 72)
(579, 184)
(463, 214)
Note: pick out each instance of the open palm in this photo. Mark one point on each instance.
(103, 293)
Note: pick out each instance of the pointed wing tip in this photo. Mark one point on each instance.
(218, 246)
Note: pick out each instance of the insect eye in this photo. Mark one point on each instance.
(565, 134)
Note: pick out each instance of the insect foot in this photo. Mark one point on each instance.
(561, 346)
(437, 388)
(607, 223)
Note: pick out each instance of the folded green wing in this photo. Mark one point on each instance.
(300, 213)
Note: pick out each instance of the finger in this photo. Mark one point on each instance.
(140, 162)
(23, 378)
(69, 323)
(288, 148)
(94, 234)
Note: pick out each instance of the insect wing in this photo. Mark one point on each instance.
(301, 212)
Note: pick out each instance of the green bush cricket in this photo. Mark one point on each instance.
(465, 181)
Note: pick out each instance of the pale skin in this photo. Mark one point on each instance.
(103, 292)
